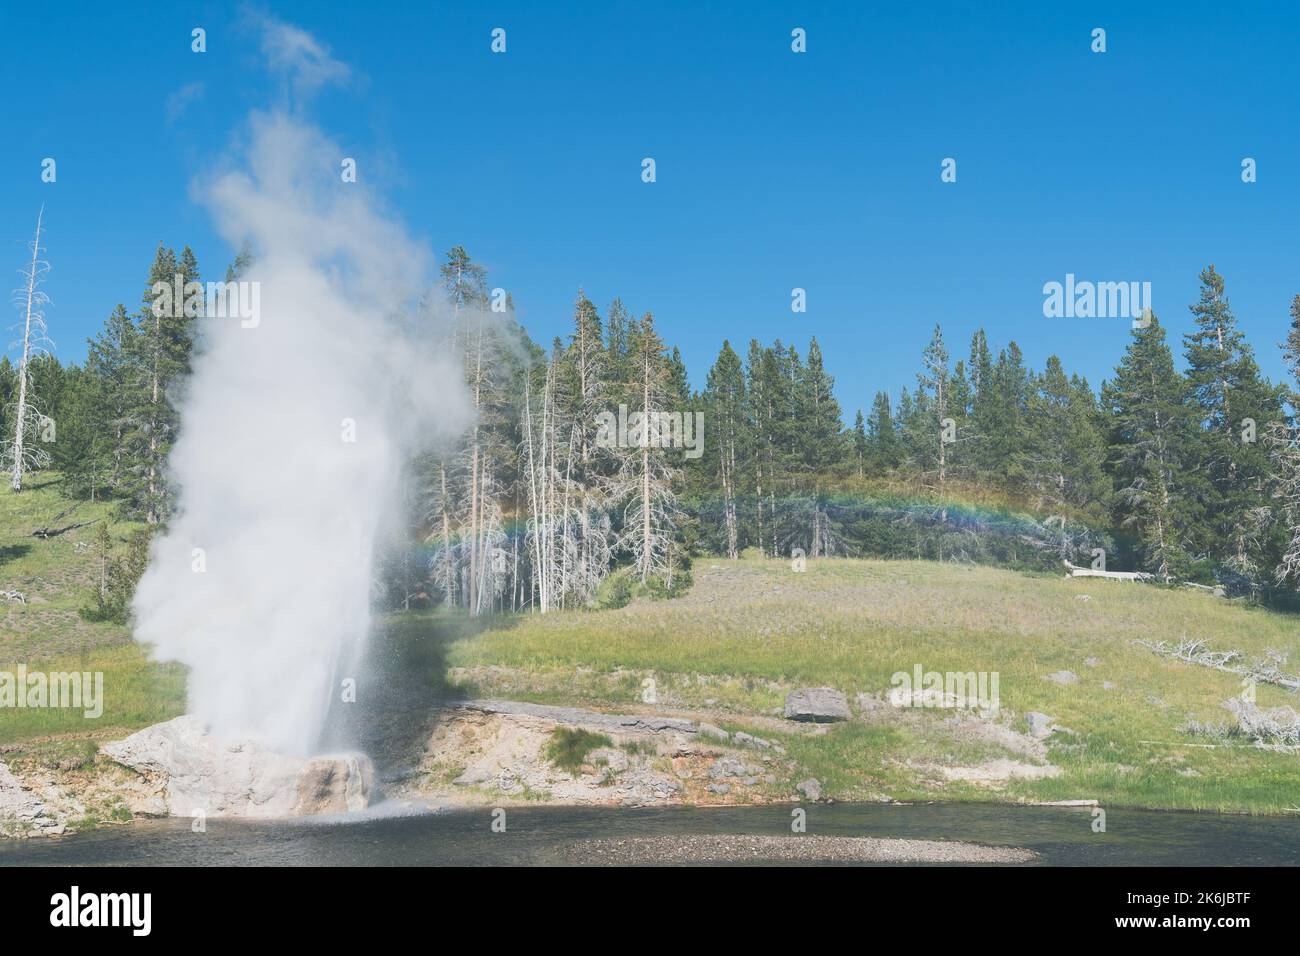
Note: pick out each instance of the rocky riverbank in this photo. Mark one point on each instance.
(23, 811)
(496, 751)
(176, 769)
(471, 752)
(466, 753)
(734, 848)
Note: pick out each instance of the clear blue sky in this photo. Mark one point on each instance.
(775, 170)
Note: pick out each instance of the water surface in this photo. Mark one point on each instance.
(539, 835)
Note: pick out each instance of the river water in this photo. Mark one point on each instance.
(390, 835)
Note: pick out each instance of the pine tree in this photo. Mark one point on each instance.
(769, 386)
(118, 576)
(882, 439)
(464, 281)
(819, 421)
(1003, 439)
(724, 397)
(1233, 404)
(933, 386)
(617, 326)
(819, 444)
(757, 414)
(111, 359)
(83, 452)
(1150, 426)
(163, 341)
(860, 446)
(679, 388)
(905, 415)
(916, 436)
(958, 460)
(983, 412)
(1065, 451)
(8, 389)
(1291, 352)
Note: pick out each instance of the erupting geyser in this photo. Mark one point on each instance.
(294, 429)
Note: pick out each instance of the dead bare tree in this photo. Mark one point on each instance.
(646, 474)
(483, 533)
(51, 530)
(440, 511)
(568, 529)
(1233, 662)
(20, 453)
(588, 356)
(1284, 457)
(538, 454)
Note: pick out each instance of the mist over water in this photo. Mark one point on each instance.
(285, 509)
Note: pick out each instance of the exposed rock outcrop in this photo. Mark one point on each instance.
(497, 750)
(591, 719)
(500, 748)
(817, 704)
(195, 772)
(21, 811)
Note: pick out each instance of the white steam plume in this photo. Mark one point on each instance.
(285, 510)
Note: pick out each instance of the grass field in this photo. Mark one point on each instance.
(748, 632)
(58, 576)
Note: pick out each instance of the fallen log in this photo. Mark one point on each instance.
(1077, 572)
(49, 531)
(1198, 652)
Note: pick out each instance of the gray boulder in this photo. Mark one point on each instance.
(810, 788)
(197, 772)
(1040, 725)
(710, 730)
(816, 704)
(732, 767)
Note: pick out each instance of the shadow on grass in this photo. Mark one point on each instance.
(12, 552)
(401, 685)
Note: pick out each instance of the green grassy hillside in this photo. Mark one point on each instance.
(750, 630)
(58, 576)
